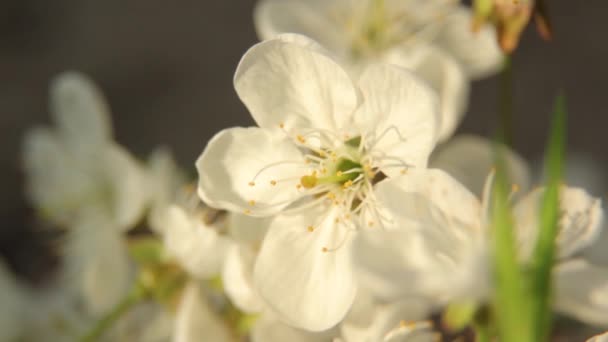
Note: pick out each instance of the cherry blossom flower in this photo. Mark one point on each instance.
(323, 144)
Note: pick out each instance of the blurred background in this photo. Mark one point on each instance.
(166, 69)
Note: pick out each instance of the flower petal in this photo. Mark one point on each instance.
(582, 291)
(237, 277)
(599, 338)
(198, 248)
(444, 74)
(470, 159)
(305, 285)
(127, 186)
(97, 258)
(195, 321)
(284, 84)
(437, 226)
(81, 112)
(455, 204)
(580, 221)
(228, 166)
(164, 180)
(311, 18)
(400, 112)
(371, 321)
(478, 52)
(55, 182)
(247, 229)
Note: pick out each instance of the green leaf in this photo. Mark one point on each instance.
(510, 304)
(544, 252)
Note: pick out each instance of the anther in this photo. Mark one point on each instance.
(251, 183)
(301, 138)
(311, 229)
(347, 184)
(281, 125)
(308, 182)
(247, 212)
(252, 203)
(324, 249)
(273, 182)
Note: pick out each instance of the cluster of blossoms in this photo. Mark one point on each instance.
(337, 218)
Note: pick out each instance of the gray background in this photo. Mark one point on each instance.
(166, 68)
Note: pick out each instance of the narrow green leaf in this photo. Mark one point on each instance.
(511, 302)
(544, 252)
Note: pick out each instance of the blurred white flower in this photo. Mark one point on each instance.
(599, 338)
(431, 37)
(469, 159)
(323, 143)
(166, 184)
(448, 257)
(97, 266)
(76, 168)
(196, 320)
(198, 247)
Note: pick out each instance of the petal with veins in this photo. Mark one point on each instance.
(288, 85)
(581, 290)
(238, 166)
(579, 225)
(400, 113)
(304, 271)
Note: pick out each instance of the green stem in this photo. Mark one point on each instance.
(506, 102)
(135, 296)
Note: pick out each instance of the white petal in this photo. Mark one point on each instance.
(580, 221)
(391, 264)
(372, 321)
(97, 263)
(455, 203)
(285, 84)
(237, 277)
(304, 285)
(81, 112)
(478, 52)
(164, 181)
(269, 329)
(599, 338)
(127, 186)
(582, 291)
(470, 159)
(228, 166)
(444, 74)
(195, 320)
(197, 247)
(311, 18)
(438, 240)
(55, 182)
(247, 229)
(395, 99)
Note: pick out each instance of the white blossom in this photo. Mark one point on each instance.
(323, 143)
(448, 258)
(431, 37)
